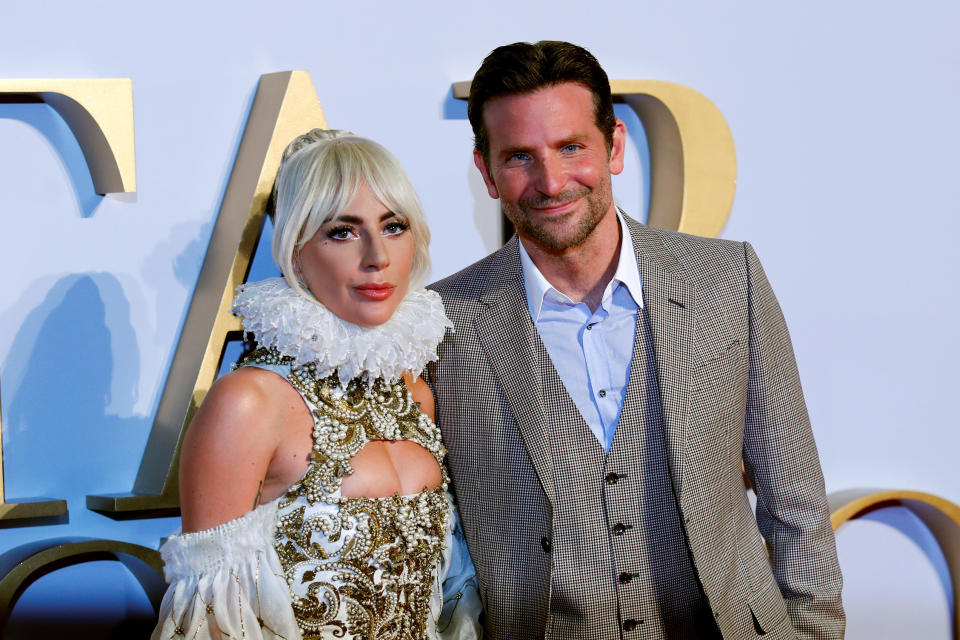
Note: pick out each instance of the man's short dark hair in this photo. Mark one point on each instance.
(521, 67)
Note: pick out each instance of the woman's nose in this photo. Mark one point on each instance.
(375, 254)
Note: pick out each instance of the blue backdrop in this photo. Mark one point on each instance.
(844, 119)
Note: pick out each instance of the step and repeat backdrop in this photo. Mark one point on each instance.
(138, 143)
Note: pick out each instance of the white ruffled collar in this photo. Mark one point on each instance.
(307, 331)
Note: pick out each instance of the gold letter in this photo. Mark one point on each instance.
(99, 111)
(285, 106)
(693, 164)
(21, 566)
(941, 516)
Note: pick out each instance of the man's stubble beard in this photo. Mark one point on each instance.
(562, 234)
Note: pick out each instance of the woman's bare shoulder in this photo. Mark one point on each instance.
(251, 388)
(230, 443)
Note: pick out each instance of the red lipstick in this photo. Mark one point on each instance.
(376, 290)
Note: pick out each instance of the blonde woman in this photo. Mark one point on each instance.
(313, 489)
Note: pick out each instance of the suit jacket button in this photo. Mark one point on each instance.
(619, 529)
(545, 543)
(625, 577)
(611, 478)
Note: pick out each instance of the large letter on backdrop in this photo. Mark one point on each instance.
(22, 566)
(941, 517)
(99, 111)
(693, 163)
(285, 106)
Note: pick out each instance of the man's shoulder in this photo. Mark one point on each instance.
(690, 251)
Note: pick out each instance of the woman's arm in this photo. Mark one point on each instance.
(227, 454)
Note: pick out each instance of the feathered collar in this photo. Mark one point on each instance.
(307, 331)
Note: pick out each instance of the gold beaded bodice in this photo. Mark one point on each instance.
(358, 567)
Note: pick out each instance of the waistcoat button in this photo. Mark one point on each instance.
(625, 577)
(545, 543)
(631, 624)
(612, 478)
(619, 528)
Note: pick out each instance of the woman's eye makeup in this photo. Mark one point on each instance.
(395, 227)
(342, 232)
(391, 227)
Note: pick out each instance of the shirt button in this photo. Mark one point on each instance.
(611, 478)
(619, 529)
(545, 543)
(590, 326)
(631, 624)
(603, 393)
(625, 577)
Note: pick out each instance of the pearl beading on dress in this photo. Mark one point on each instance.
(344, 555)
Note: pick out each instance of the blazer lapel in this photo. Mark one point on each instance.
(510, 340)
(670, 304)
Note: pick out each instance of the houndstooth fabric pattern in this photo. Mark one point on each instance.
(728, 390)
(619, 551)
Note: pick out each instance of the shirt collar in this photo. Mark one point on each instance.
(627, 274)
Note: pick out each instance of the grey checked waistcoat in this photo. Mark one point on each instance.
(621, 567)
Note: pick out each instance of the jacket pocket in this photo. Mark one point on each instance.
(769, 611)
(707, 373)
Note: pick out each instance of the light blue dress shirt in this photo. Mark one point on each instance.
(590, 351)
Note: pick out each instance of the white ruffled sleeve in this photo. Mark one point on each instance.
(456, 605)
(226, 583)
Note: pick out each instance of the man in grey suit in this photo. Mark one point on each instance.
(603, 385)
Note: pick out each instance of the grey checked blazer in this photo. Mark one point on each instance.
(729, 392)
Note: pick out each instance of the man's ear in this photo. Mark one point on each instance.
(618, 147)
(482, 167)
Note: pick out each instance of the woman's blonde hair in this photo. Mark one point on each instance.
(320, 174)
